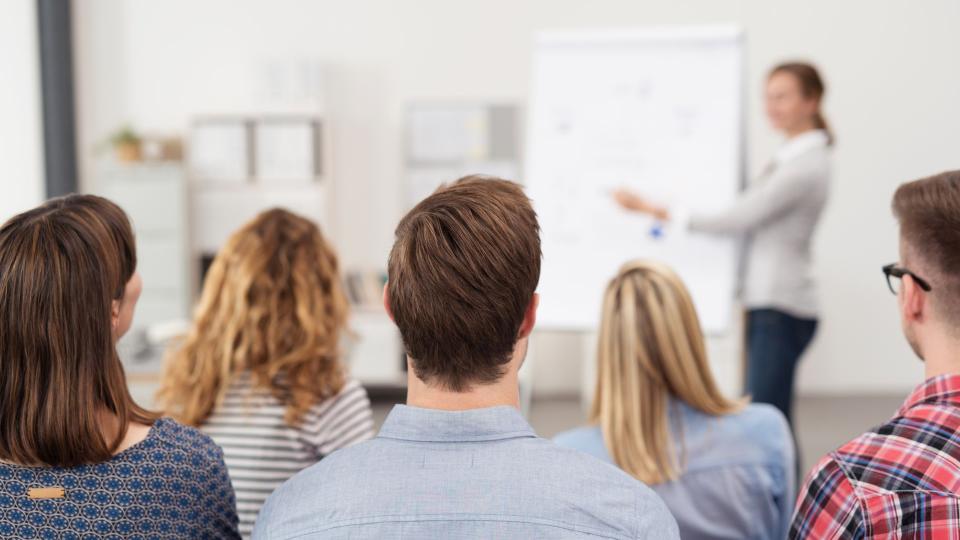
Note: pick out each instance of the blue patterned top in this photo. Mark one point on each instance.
(173, 484)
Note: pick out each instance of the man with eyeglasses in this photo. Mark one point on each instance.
(902, 479)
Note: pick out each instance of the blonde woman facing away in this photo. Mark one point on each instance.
(260, 371)
(724, 468)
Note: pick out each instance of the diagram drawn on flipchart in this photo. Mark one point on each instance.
(657, 112)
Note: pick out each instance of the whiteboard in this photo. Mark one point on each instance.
(657, 111)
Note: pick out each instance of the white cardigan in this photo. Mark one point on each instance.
(779, 214)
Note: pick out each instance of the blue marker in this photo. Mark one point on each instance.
(656, 231)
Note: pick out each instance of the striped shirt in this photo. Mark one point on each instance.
(900, 480)
(262, 451)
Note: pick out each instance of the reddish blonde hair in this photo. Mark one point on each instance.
(273, 305)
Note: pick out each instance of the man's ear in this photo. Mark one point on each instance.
(386, 301)
(915, 305)
(529, 317)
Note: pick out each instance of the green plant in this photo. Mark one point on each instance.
(122, 136)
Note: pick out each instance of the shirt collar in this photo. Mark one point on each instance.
(816, 138)
(942, 390)
(432, 425)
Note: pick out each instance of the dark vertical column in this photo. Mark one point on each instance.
(56, 83)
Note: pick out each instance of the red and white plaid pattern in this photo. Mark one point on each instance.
(900, 480)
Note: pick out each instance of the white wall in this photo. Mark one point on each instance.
(21, 132)
(891, 69)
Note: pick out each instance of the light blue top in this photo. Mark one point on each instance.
(481, 473)
(738, 482)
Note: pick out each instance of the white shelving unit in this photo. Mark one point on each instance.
(154, 196)
(447, 139)
(374, 353)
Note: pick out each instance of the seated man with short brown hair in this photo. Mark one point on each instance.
(459, 460)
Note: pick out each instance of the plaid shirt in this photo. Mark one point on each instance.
(901, 480)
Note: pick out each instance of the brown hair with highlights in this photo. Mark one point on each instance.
(62, 265)
(462, 273)
(929, 213)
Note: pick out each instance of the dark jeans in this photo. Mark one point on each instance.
(775, 342)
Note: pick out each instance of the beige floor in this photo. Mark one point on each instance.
(823, 422)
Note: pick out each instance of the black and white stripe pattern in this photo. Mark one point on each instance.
(262, 451)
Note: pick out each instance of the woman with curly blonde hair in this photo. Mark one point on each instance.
(260, 371)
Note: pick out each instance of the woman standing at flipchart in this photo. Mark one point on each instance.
(779, 214)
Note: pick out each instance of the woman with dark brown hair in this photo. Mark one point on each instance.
(77, 456)
(779, 214)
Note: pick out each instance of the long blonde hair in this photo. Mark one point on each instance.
(650, 348)
(273, 305)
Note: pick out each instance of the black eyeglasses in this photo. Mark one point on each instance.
(893, 271)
